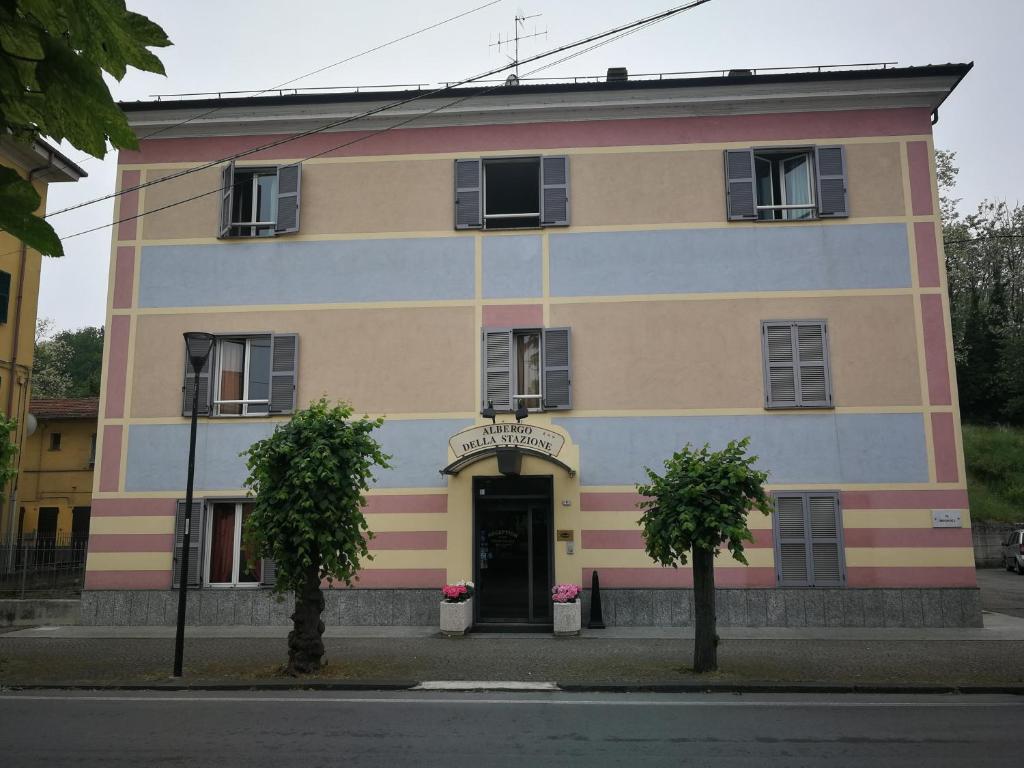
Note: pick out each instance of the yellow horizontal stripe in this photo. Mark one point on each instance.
(909, 557)
(241, 493)
(626, 519)
(637, 558)
(891, 518)
(408, 522)
(129, 561)
(809, 486)
(140, 524)
(394, 558)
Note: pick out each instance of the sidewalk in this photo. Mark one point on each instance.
(631, 658)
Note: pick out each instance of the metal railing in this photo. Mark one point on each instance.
(43, 566)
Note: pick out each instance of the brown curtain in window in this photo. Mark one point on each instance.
(222, 543)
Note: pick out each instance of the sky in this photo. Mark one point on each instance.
(258, 44)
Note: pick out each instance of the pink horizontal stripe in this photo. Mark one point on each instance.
(131, 542)
(128, 579)
(907, 537)
(933, 318)
(379, 578)
(610, 502)
(634, 539)
(937, 499)
(947, 576)
(944, 441)
(927, 254)
(133, 507)
(434, 503)
(590, 133)
(410, 540)
(739, 576)
(919, 160)
(513, 315)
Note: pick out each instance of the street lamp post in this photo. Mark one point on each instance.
(198, 347)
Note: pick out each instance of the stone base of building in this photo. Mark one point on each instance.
(906, 607)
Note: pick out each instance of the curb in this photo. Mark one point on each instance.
(284, 685)
(1012, 689)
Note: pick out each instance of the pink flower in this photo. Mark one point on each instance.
(565, 593)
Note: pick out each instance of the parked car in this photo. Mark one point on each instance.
(1013, 552)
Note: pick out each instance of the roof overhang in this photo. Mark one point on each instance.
(40, 159)
(907, 87)
(509, 457)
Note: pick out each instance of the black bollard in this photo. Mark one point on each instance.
(596, 619)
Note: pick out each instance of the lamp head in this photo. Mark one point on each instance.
(522, 411)
(488, 412)
(198, 345)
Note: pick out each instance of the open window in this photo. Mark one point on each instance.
(511, 192)
(528, 366)
(260, 202)
(786, 183)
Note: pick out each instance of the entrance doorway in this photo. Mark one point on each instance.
(513, 564)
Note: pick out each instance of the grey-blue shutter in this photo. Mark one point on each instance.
(205, 385)
(554, 198)
(468, 194)
(825, 531)
(792, 555)
(289, 184)
(780, 374)
(227, 183)
(557, 372)
(195, 544)
(284, 367)
(831, 168)
(497, 365)
(815, 387)
(268, 572)
(740, 185)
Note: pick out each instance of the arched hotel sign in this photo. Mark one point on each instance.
(506, 435)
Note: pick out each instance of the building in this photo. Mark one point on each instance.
(638, 263)
(55, 493)
(40, 163)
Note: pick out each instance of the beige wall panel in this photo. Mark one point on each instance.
(707, 354)
(875, 179)
(399, 196)
(647, 188)
(198, 218)
(381, 360)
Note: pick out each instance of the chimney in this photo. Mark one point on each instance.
(740, 73)
(617, 74)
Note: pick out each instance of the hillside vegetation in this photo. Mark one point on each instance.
(995, 472)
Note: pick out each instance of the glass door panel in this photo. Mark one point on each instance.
(503, 556)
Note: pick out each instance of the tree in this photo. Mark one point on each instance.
(701, 502)
(53, 54)
(67, 364)
(308, 479)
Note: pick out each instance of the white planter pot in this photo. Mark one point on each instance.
(456, 618)
(567, 618)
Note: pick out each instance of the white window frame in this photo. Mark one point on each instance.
(237, 546)
(537, 399)
(776, 156)
(253, 224)
(245, 402)
(499, 217)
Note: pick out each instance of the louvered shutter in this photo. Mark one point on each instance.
(812, 373)
(825, 531)
(195, 544)
(780, 376)
(205, 385)
(557, 373)
(268, 572)
(554, 199)
(791, 552)
(497, 363)
(740, 185)
(831, 168)
(227, 183)
(468, 194)
(284, 366)
(289, 184)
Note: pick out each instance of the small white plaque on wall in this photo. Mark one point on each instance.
(946, 518)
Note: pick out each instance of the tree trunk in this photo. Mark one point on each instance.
(705, 643)
(305, 641)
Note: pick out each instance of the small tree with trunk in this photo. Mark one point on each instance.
(308, 479)
(699, 504)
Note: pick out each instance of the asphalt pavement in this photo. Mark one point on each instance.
(506, 729)
(1001, 591)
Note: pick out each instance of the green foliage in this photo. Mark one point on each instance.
(995, 472)
(8, 450)
(308, 479)
(68, 364)
(701, 501)
(53, 54)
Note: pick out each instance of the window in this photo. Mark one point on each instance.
(216, 548)
(808, 540)
(527, 365)
(511, 192)
(55, 441)
(260, 202)
(796, 370)
(5, 294)
(92, 450)
(253, 375)
(786, 184)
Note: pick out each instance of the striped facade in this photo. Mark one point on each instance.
(665, 298)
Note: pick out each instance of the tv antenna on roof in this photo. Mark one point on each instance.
(513, 40)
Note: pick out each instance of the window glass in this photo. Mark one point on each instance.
(254, 202)
(784, 180)
(528, 368)
(796, 172)
(248, 565)
(512, 193)
(231, 357)
(222, 543)
(259, 375)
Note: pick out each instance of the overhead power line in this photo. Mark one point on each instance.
(616, 31)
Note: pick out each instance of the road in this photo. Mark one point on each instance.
(483, 729)
(1001, 591)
